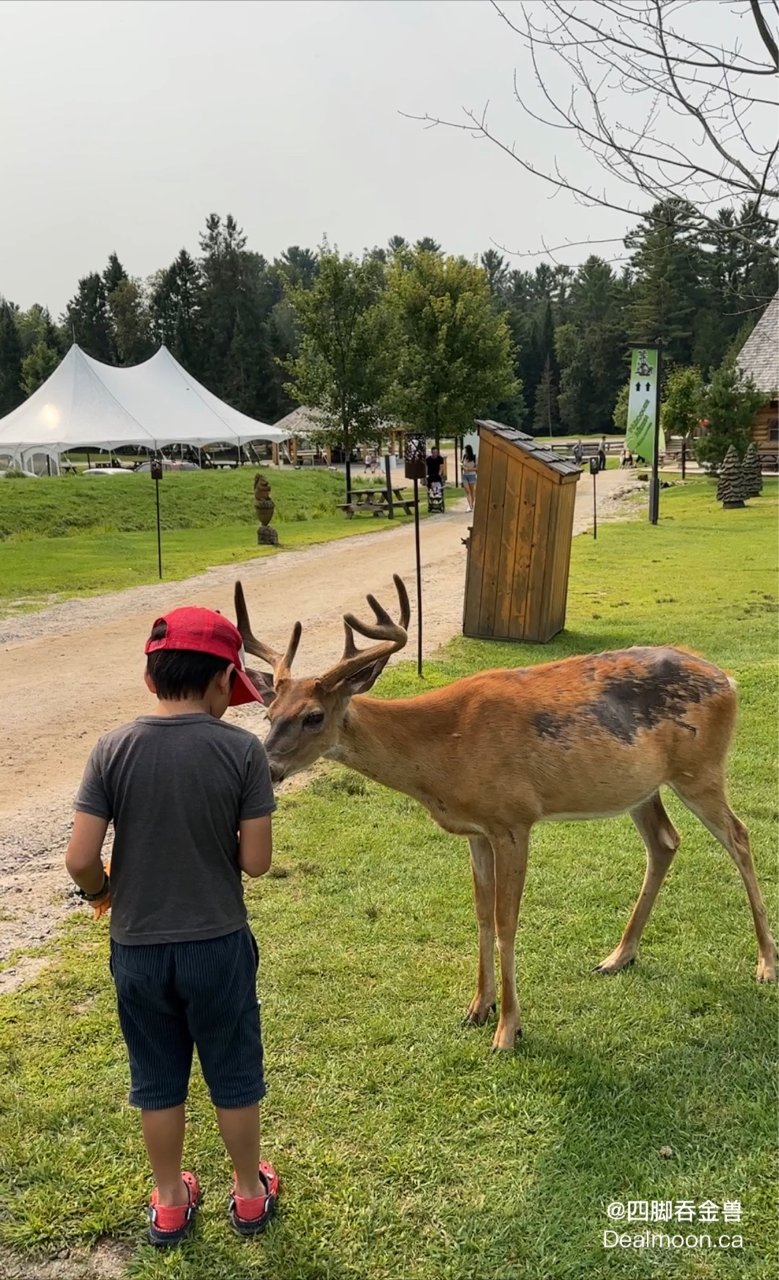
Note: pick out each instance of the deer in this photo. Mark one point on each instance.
(589, 736)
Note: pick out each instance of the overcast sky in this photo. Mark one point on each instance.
(123, 123)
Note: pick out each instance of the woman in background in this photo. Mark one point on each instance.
(469, 466)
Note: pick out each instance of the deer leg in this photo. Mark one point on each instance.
(483, 869)
(510, 865)
(707, 801)
(662, 840)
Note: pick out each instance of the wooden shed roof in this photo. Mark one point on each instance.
(759, 356)
(529, 446)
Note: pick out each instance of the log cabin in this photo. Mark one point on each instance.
(759, 360)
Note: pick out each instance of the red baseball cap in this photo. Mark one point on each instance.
(205, 631)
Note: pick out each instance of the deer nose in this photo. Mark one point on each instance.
(276, 771)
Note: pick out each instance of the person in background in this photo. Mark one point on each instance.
(602, 454)
(435, 467)
(435, 480)
(469, 466)
(578, 453)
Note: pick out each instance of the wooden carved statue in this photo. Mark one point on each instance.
(265, 507)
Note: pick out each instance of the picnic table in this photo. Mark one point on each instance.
(376, 502)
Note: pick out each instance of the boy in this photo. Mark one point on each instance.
(190, 798)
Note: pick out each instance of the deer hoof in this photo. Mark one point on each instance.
(476, 1017)
(504, 1041)
(612, 965)
(766, 969)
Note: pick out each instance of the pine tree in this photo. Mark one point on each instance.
(667, 262)
(114, 274)
(728, 405)
(88, 320)
(11, 393)
(730, 488)
(176, 307)
(545, 415)
(753, 479)
(427, 245)
(297, 267)
(497, 271)
(591, 348)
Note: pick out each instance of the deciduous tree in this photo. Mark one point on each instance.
(453, 351)
(38, 365)
(343, 365)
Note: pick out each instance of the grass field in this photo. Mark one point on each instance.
(75, 535)
(408, 1152)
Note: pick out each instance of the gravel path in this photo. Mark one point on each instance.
(69, 673)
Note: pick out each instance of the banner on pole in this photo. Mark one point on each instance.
(642, 404)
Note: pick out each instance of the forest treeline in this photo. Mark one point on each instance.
(228, 314)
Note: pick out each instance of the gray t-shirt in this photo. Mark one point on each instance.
(176, 788)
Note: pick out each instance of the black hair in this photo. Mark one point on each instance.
(468, 453)
(181, 673)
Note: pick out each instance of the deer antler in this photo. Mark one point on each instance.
(392, 636)
(281, 663)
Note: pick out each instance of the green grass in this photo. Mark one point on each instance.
(408, 1152)
(77, 535)
(65, 505)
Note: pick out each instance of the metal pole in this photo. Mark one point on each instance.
(456, 480)
(388, 478)
(594, 506)
(684, 457)
(159, 533)
(654, 487)
(419, 576)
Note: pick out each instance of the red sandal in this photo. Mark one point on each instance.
(170, 1224)
(251, 1215)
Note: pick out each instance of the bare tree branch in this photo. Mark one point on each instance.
(665, 113)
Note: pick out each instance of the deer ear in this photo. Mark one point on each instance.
(364, 680)
(263, 683)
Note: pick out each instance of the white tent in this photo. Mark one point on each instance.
(156, 403)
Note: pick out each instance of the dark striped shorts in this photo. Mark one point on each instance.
(173, 997)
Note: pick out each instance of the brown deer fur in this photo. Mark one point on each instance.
(585, 737)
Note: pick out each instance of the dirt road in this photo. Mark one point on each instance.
(69, 673)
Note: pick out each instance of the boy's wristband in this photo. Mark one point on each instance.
(101, 893)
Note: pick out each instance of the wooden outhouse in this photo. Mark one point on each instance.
(520, 545)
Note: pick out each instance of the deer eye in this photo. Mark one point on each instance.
(313, 719)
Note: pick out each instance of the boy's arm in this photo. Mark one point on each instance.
(82, 858)
(255, 845)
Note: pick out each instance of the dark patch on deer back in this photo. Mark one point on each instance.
(626, 692)
(549, 725)
(662, 692)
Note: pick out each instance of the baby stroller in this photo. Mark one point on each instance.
(435, 496)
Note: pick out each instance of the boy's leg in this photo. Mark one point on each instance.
(159, 1045)
(163, 1134)
(218, 982)
(240, 1130)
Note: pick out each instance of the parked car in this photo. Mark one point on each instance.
(145, 467)
(107, 471)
